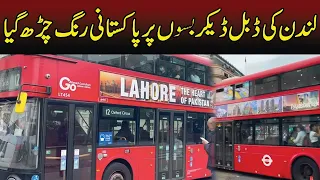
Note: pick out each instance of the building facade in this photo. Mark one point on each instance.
(221, 68)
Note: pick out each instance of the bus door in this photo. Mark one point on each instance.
(170, 145)
(68, 143)
(219, 145)
(224, 145)
(228, 145)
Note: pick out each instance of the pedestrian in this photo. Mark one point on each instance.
(209, 145)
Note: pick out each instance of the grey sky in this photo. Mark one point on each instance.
(256, 63)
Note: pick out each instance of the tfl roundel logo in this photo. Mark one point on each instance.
(66, 84)
(267, 160)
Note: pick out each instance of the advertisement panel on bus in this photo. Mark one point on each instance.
(287, 103)
(126, 87)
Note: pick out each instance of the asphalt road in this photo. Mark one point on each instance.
(227, 175)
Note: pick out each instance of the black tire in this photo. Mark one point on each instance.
(117, 169)
(304, 168)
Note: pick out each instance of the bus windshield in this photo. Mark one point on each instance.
(19, 134)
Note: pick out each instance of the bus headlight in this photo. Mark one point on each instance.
(13, 177)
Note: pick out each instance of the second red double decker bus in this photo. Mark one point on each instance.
(104, 117)
(269, 122)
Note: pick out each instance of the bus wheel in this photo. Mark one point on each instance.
(117, 171)
(304, 169)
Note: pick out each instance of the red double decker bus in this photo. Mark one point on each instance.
(103, 117)
(269, 122)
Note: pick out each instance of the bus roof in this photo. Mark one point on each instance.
(271, 72)
(194, 58)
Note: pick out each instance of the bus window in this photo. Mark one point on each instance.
(83, 139)
(196, 73)
(146, 131)
(75, 56)
(244, 132)
(267, 132)
(301, 131)
(224, 94)
(106, 59)
(171, 67)
(141, 62)
(266, 85)
(301, 78)
(19, 135)
(195, 127)
(241, 90)
(209, 76)
(119, 124)
(314, 75)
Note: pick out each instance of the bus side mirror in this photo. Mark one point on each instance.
(21, 102)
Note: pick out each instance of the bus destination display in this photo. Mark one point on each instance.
(116, 112)
(10, 79)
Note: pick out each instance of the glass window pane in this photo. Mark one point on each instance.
(267, 132)
(209, 76)
(76, 56)
(171, 67)
(224, 94)
(242, 90)
(19, 136)
(83, 141)
(56, 139)
(301, 131)
(195, 127)
(106, 59)
(196, 73)
(146, 131)
(163, 68)
(266, 85)
(244, 132)
(178, 61)
(122, 131)
(196, 66)
(301, 78)
(196, 76)
(141, 62)
(314, 78)
(118, 125)
(168, 69)
(178, 72)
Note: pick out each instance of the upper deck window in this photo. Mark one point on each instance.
(209, 76)
(301, 78)
(141, 62)
(224, 94)
(171, 67)
(196, 73)
(75, 56)
(158, 64)
(266, 85)
(241, 90)
(106, 59)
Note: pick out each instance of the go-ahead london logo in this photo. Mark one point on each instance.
(66, 84)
